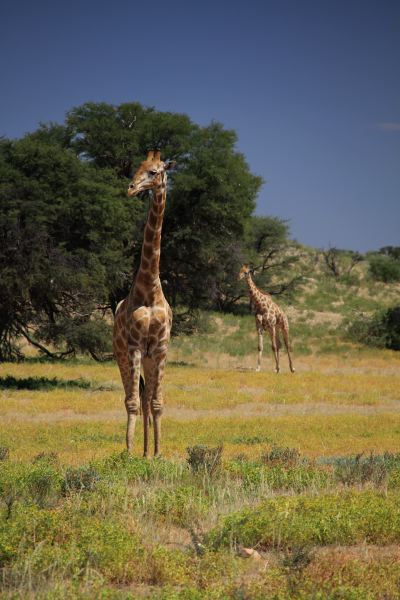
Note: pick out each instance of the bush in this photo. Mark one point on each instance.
(384, 268)
(285, 456)
(182, 505)
(359, 469)
(4, 453)
(337, 518)
(122, 466)
(255, 475)
(381, 329)
(80, 479)
(203, 458)
(43, 483)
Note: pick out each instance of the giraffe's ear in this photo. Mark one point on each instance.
(169, 164)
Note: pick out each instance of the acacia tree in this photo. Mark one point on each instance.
(341, 262)
(211, 197)
(71, 238)
(62, 225)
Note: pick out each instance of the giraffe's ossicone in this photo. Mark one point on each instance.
(143, 320)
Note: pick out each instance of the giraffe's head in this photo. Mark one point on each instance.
(150, 173)
(244, 272)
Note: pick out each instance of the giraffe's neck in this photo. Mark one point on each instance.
(147, 281)
(255, 294)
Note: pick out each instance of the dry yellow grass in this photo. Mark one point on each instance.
(330, 406)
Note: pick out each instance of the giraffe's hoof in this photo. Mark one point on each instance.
(293, 370)
(258, 369)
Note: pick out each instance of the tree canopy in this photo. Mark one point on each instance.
(71, 239)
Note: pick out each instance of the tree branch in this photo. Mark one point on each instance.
(42, 348)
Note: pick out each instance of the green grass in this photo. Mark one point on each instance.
(345, 518)
(309, 474)
(129, 527)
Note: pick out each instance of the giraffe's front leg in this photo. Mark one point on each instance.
(132, 397)
(260, 332)
(157, 402)
(260, 348)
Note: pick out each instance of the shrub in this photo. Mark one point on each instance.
(384, 268)
(80, 479)
(281, 456)
(12, 484)
(361, 469)
(381, 329)
(50, 458)
(255, 475)
(378, 469)
(203, 458)
(4, 453)
(170, 567)
(181, 505)
(43, 483)
(337, 518)
(251, 440)
(70, 543)
(125, 467)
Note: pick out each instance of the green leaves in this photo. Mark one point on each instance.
(63, 225)
(71, 240)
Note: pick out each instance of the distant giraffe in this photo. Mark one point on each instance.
(143, 320)
(269, 317)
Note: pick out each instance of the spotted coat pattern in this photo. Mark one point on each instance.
(269, 317)
(143, 319)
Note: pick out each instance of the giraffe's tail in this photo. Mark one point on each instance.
(141, 393)
(279, 340)
(141, 390)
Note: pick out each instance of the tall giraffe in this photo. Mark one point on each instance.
(269, 317)
(143, 319)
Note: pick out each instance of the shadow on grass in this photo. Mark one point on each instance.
(41, 383)
(180, 363)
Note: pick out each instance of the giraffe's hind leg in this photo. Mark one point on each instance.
(157, 400)
(275, 346)
(285, 333)
(148, 392)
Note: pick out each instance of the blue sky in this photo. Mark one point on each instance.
(311, 88)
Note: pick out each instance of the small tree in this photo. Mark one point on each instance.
(273, 255)
(341, 262)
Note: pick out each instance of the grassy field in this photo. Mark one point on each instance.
(270, 487)
(308, 476)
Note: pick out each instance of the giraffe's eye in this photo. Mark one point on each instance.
(152, 173)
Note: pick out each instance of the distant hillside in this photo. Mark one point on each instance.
(320, 310)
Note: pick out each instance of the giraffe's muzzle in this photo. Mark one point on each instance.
(132, 190)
